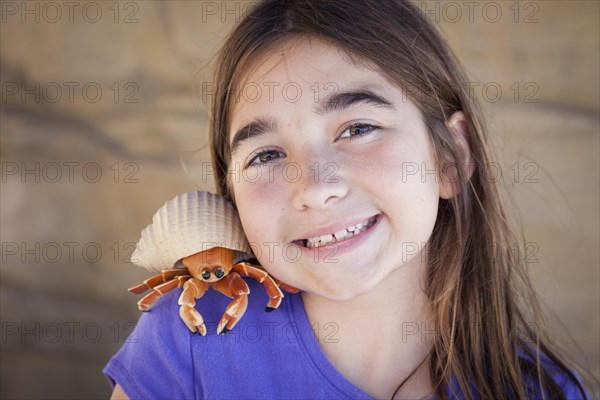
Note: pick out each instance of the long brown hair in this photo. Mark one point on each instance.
(477, 286)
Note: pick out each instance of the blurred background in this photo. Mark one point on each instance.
(104, 101)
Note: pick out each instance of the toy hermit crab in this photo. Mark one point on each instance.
(203, 231)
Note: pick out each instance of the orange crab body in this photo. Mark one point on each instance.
(210, 268)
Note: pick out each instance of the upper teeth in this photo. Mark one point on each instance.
(350, 231)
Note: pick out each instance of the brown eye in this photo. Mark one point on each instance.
(357, 130)
(266, 156)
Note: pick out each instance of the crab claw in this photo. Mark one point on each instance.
(192, 319)
(233, 313)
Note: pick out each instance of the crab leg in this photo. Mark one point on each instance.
(285, 286)
(275, 294)
(192, 290)
(232, 286)
(147, 301)
(165, 276)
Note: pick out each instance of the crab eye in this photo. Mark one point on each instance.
(219, 273)
(206, 275)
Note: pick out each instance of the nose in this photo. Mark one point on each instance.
(319, 186)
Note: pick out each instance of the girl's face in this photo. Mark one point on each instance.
(320, 146)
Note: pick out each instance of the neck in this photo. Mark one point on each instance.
(381, 336)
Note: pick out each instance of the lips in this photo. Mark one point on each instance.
(337, 235)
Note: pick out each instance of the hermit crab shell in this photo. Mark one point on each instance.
(187, 224)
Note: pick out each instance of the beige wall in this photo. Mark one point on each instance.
(64, 315)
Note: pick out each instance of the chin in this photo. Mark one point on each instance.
(346, 292)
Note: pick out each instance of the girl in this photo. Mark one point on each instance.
(343, 134)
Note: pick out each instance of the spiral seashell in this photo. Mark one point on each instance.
(187, 224)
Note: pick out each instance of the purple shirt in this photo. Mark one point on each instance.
(267, 355)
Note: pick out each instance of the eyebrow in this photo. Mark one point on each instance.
(335, 102)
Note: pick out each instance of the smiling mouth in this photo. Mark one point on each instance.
(346, 233)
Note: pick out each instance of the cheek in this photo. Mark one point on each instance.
(258, 204)
(407, 185)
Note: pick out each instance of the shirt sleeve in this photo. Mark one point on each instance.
(155, 361)
(570, 387)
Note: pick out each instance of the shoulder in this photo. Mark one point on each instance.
(568, 381)
(158, 346)
(163, 359)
